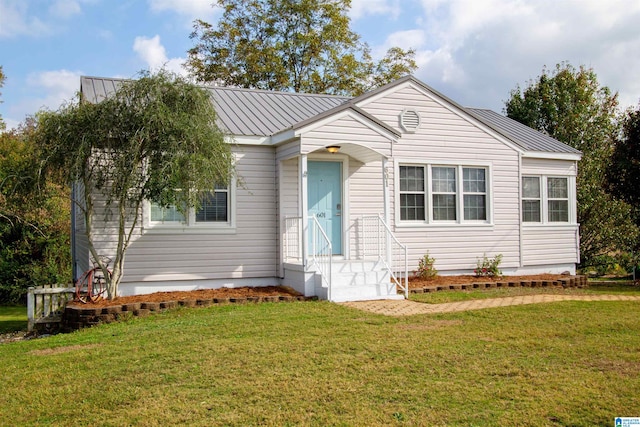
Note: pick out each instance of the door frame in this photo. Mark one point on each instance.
(344, 161)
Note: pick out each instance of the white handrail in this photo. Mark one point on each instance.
(378, 237)
(293, 239)
(321, 253)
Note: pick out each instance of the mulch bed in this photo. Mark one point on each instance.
(201, 294)
(415, 282)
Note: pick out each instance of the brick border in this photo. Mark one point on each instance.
(78, 317)
(569, 282)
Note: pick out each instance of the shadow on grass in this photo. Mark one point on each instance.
(13, 318)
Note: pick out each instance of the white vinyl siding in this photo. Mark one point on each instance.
(251, 252)
(449, 138)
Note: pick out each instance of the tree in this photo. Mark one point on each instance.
(291, 45)
(571, 106)
(623, 175)
(2, 79)
(34, 231)
(153, 136)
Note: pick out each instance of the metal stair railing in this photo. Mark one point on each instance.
(379, 241)
(293, 239)
(321, 252)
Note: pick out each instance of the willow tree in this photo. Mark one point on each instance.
(291, 45)
(154, 139)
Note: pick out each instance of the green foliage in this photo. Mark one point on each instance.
(488, 267)
(426, 269)
(291, 45)
(34, 248)
(571, 106)
(152, 136)
(2, 79)
(623, 175)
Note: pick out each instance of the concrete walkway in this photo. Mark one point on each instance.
(408, 308)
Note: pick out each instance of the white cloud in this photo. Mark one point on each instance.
(362, 8)
(409, 39)
(480, 50)
(53, 88)
(189, 9)
(15, 21)
(65, 8)
(151, 51)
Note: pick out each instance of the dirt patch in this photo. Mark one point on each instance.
(200, 294)
(415, 283)
(64, 349)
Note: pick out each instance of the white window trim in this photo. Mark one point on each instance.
(544, 202)
(429, 221)
(191, 226)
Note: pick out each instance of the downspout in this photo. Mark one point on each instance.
(520, 240)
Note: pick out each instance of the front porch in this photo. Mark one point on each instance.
(310, 266)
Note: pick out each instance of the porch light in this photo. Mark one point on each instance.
(333, 149)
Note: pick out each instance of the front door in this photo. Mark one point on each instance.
(324, 180)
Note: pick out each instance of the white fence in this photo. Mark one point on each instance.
(45, 304)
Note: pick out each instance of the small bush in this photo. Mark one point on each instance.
(426, 270)
(488, 267)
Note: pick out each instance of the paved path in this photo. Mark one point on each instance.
(407, 307)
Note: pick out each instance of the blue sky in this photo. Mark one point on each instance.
(474, 51)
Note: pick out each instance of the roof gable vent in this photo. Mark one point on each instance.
(409, 120)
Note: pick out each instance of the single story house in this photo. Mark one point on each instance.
(341, 197)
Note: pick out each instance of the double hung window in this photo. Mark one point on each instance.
(545, 199)
(443, 193)
(214, 210)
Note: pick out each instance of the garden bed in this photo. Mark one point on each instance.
(467, 282)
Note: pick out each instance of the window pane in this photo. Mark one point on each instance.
(531, 210)
(557, 188)
(444, 207)
(474, 180)
(444, 180)
(168, 214)
(531, 187)
(411, 178)
(475, 207)
(213, 207)
(412, 207)
(558, 211)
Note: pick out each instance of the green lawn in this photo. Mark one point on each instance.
(12, 318)
(317, 363)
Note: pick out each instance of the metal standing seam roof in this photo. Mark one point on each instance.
(261, 113)
(252, 112)
(530, 139)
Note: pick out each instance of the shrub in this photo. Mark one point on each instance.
(426, 270)
(488, 267)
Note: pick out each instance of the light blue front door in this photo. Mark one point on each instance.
(324, 186)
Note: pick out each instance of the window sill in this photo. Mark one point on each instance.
(422, 224)
(183, 229)
(554, 225)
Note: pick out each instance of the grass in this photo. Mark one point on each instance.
(454, 296)
(12, 318)
(317, 363)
